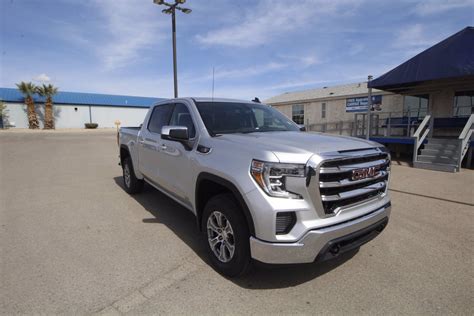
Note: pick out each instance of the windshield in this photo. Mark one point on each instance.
(227, 118)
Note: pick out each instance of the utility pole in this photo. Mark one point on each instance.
(172, 7)
(369, 106)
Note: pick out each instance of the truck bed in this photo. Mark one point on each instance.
(130, 131)
(134, 128)
(128, 135)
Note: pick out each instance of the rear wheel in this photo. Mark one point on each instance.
(131, 183)
(227, 235)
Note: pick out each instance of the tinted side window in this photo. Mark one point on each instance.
(159, 118)
(182, 117)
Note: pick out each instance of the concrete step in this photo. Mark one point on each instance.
(437, 159)
(441, 146)
(435, 166)
(440, 152)
(442, 141)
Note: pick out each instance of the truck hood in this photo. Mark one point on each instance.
(297, 147)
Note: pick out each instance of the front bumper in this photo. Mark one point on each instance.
(324, 242)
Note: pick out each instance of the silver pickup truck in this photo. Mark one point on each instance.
(260, 188)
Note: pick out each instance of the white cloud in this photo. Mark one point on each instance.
(413, 38)
(303, 60)
(224, 73)
(356, 48)
(428, 7)
(131, 26)
(270, 19)
(242, 92)
(42, 78)
(309, 60)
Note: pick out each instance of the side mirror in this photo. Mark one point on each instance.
(303, 128)
(177, 133)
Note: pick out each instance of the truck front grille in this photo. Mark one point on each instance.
(347, 181)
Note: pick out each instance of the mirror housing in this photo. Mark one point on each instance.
(302, 128)
(176, 133)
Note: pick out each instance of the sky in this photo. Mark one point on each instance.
(256, 48)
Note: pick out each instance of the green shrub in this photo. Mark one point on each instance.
(91, 125)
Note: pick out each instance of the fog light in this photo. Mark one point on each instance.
(285, 222)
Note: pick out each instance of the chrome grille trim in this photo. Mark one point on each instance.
(353, 193)
(346, 182)
(346, 168)
(335, 186)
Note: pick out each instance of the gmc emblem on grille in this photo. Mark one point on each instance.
(364, 173)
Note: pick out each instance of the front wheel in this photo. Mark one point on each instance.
(227, 235)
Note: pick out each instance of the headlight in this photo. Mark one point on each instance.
(384, 149)
(271, 177)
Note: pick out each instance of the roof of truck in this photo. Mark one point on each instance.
(207, 99)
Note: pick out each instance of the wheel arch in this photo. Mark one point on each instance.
(124, 153)
(209, 185)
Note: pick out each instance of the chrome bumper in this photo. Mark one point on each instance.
(314, 242)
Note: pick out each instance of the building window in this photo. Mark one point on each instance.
(297, 113)
(464, 103)
(416, 106)
(323, 110)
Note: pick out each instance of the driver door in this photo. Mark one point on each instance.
(176, 158)
(150, 149)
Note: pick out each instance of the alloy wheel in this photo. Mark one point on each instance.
(220, 236)
(126, 175)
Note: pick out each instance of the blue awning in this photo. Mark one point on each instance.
(449, 59)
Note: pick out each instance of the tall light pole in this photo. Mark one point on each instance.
(172, 7)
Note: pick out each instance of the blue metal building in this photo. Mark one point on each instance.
(74, 109)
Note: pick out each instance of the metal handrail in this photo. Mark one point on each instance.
(338, 127)
(467, 127)
(464, 138)
(389, 121)
(419, 141)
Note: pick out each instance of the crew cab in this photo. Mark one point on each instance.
(260, 187)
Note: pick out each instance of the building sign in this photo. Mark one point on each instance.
(360, 104)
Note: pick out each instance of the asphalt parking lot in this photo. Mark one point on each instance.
(72, 241)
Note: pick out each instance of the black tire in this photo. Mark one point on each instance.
(239, 263)
(134, 185)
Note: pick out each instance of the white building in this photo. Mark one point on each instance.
(74, 109)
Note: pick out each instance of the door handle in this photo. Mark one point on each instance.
(163, 147)
(141, 141)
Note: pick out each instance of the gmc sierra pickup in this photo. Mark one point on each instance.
(260, 188)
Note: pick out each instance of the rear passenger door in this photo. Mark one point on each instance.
(150, 143)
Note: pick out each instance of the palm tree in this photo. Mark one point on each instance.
(48, 91)
(3, 115)
(28, 89)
